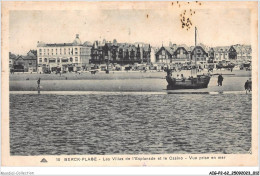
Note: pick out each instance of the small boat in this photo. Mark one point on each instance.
(196, 82)
(201, 81)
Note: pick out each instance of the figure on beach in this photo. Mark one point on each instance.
(248, 86)
(38, 83)
(220, 80)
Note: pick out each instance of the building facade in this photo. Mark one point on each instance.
(27, 63)
(235, 54)
(232, 53)
(12, 58)
(119, 53)
(64, 57)
(221, 54)
(164, 55)
(244, 53)
(199, 54)
(181, 56)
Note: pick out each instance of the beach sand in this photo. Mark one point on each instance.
(119, 81)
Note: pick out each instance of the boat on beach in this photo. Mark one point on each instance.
(201, 81)
(193, 82)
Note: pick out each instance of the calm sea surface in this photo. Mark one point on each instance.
(129, 124)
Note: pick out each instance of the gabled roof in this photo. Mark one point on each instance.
(184, 46)
(221, 48)
(29, 57)
(168, 50)
(180, 47)
(242, 48)
(199, 47)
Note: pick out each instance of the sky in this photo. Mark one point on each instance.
(216, 26)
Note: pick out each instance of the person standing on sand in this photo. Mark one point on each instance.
(220, 80)
(246, 86)
(39, 82)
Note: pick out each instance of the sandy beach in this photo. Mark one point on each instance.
(120, 81)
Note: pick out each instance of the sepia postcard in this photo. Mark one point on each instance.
(169, 83)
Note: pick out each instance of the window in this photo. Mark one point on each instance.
(163, 52)
(58, 60)
(60, 51)
(40, 59)
(64, 50)
(76, 59)
(53, 60)
(45, 59)
(40, 50)
(30, 63)
(64, 60)
(71, 59)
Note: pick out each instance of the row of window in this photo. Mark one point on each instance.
(58, 60)
(56, 51)
(221, 54)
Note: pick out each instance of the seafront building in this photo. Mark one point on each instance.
(63, 56)
(78, 56)
(237, 54)
(120, 53)
(27, 63)
(181, 55)
(184, 55)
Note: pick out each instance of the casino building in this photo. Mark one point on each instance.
(65, 57)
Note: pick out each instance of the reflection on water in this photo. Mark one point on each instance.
(129, 124)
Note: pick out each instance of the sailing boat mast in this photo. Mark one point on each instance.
(195, 49)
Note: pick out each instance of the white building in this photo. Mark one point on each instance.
(63, 56)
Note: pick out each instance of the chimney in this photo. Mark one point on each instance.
(77, 35)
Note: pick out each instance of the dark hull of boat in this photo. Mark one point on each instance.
(194, 83)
